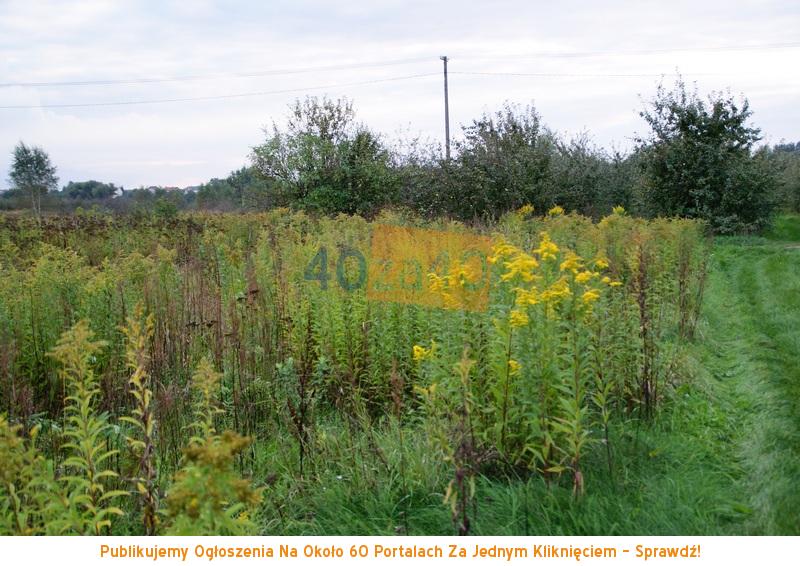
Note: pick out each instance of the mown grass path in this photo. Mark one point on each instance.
(751, 348)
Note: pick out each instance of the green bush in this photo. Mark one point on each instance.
(326, 162)
(698, 161)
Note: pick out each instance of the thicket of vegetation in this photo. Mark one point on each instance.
(698, 159)
(193, 375)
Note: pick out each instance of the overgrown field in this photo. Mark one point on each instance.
(226, 374)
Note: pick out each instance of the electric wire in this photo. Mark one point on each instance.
(359, 83)
(216, 97)
(375, 64)
(602, 53)
(254, 74)
(582, 75)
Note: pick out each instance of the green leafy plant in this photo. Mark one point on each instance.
(28, 488)
(142, 441)
(208, 496)
(90, 495)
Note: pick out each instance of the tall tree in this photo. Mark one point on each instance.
(502, 163)
(699, 161)
(33, 174)
(326, 161)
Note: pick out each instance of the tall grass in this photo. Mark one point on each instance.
(250, 356)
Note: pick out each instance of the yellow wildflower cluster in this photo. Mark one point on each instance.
(526, 297)
(525, 210)
(501, 250)
(428, 393)
(617, 215)
(573, 277)
(518, 318)
(590, 296)
(556, 292)
(572, 262)
(521, 266)
(451, 287)
(555, 211)
(547, 248)
(421, 353)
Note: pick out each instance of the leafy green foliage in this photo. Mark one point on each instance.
(504, 159)
(208, 497)
(509, 159)
(90, 494)
(326, 162)
(785, 159)
(582, 413)
(243, 189)
(698, 161)
(28, 490)
(142, 441)
(33, 174)
(165, 209)
(87, 190)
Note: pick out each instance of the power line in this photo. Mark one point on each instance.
(272, 72)
(217, 97)
(373, 64)
(581, 75)
(357, 83)
(600, 53)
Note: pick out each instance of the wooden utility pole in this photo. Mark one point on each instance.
(446, 112)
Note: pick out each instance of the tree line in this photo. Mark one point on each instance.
(699, 158)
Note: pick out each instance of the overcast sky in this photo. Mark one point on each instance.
(209, 45)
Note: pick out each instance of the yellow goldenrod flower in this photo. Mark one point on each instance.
(571, 263)
(522, 265)
(518, 318)
(584, 277)
(513, 366)
(462, 274)
(451, 301)
(601, 263)
(547, 248)
(526, 297)
(557, 291)
(618, 210)
(615, 284)
(420, 353)
(525, 210)
(501, 250)
(555, 211)
(590, 296)
(606, 280)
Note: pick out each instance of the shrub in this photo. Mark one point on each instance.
(698, 161)
(326, 162)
